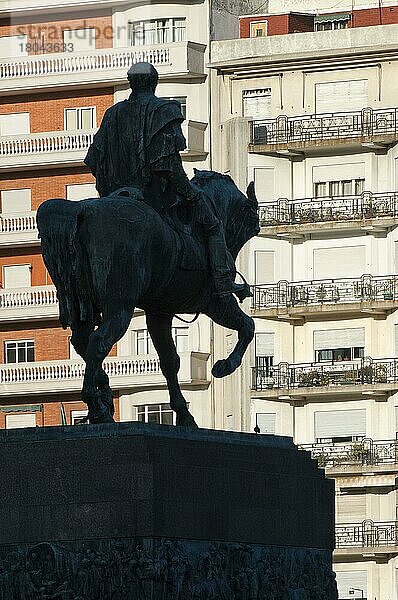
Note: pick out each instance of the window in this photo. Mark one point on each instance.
(13, 45)
(158, 31)
(80, 118)
(183, 102)
(15, 201)
(331, 25)
(143, 342)
(346, 187)
(155, 413)
(81, 191)
(266, 423)
(19, 352)
(343, 261)
(180, 337)
(78, 417)
(20, 421)
(15, 124)
(258, 29)
(336, 96)
(81, 39)
(16, 276)
(257, 103)
(332, 426)
(339, 354)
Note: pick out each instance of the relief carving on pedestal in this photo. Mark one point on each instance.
(164, 570)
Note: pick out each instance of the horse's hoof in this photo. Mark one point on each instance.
(224, 367)
(185, 419)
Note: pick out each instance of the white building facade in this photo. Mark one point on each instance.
(312, 119)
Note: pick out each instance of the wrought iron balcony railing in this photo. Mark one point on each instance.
(325, 291)
(365, 371)
(364, 123)
(363, 452)
(328, 209)
(367, 534)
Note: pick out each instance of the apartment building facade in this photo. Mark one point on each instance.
(311, 118)
(61, 66)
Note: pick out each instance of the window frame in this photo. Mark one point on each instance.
(78, 109)
(358, 350)
(157, 28)
(16, 342)
(163, 408)
(252, 25)
(357, 187)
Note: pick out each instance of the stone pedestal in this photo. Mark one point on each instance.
(146, 512)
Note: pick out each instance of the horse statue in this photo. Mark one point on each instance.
(107, 256)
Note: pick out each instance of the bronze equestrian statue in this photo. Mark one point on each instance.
(154, 240)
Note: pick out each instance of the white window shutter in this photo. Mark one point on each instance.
(348, 580)
(20, 420)
(13, 45)
(332, 339)
(340, 423)
(81, 39)
(81, 191)
(334, 263)
(257, 103)
(16, 201)
(266, 422)
(264, 182)
(17, 276)
(265, 344)
(15, 124)
(351, 509)
(339, 96)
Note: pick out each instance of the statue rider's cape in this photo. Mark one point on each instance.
(126, 147)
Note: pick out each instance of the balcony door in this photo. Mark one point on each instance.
(352, 584)
(333, 426)
(80, 118)
(15, 124)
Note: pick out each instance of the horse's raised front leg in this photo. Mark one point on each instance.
(100, 404)
(159, 327)
(226, 312)
(80, 337)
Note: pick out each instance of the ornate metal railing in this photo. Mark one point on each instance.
(325, 291)
(364, 123)
(367, 534)
(362, 452)
(52, 141)
(357, 372)
(331, 208)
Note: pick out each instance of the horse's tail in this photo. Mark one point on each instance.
(58, 221)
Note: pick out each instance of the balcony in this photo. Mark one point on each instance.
(367, 538)
(22, 304)
(367, 129)
(18, 229)
(60, 148)
(293, 219)
(365, 452)
(366, 377)
(299, 300)
(106, 67)
(125, 373)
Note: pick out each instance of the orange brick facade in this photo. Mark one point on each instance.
(47, 111)
(45, 183)
(49, 35)
(301, 23)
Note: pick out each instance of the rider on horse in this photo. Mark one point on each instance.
(138, 145)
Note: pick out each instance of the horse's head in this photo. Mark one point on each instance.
(239, 213)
